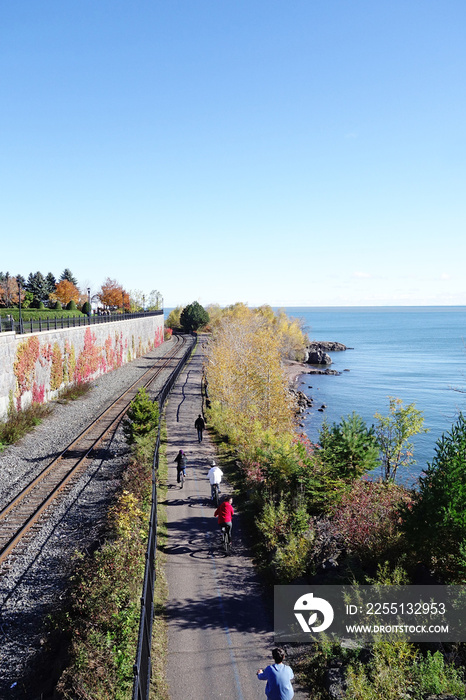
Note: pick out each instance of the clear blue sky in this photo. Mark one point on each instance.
(305, 152)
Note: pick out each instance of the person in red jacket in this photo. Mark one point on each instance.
(224, 514)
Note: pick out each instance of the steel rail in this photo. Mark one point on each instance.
(70, 462)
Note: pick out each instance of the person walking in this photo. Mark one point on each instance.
(181, 462)
(215, 477)
(278, 677)
(199, 424)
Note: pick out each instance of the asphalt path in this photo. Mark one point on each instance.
(219, 631)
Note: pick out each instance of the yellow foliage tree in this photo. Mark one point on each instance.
(244, 373)
(65, 292)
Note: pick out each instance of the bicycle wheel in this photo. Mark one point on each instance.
(226, 540)
(215, 495)
(181, 479)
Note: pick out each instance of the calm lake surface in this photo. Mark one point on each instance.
(416, 354)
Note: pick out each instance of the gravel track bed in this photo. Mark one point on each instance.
(33, 585)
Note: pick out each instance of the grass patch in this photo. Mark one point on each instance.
(19, 423)
(73, 392)
(158, 685)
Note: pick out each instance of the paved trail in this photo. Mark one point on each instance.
(219, 631)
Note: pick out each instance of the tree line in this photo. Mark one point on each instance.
(39, 291)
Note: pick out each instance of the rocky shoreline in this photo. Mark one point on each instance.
(316, 354)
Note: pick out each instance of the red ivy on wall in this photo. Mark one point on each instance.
(89, 359)
(27, 355)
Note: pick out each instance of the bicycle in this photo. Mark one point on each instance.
(216, 494)
(182, 478)
(226, 539)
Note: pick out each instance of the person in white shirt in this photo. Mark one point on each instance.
(215, 477)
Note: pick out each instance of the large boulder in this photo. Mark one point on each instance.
(319, 357)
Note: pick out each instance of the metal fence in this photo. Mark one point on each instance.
(33, 325)
(143, 665)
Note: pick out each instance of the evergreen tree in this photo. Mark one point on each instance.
(193, 317)
(68, 275)
(436, 523)
(349, 448)
(38, 287)
(51, 283)
(143, 417)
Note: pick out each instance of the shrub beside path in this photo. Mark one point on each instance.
(219, 632)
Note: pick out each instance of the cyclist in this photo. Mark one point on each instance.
(224, 514)
(181, 462)
(215, 477)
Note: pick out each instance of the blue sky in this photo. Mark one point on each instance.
(291, 153)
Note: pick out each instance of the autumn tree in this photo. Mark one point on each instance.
(173, 320)
(291, 337)
(113, 294)
(9, 291)
(244, 373)
(139, 301)
(65, 292)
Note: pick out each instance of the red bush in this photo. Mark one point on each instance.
(367, 516)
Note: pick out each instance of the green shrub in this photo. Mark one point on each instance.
(142, 417)
(71, 305)
(349, 448)
(19, 423)
(74, 391)
(433, 676)
(57, 306)
(288, 537)
(35, 314)
(86, 308)
(396, 668)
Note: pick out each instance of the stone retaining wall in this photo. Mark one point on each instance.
(35, 366)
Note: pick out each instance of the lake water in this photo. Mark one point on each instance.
(416, 354)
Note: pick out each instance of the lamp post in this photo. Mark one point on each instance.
(89, 302)
(19, 303)
(144, 303)
(122, 302)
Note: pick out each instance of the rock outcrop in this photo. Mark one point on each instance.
(319, 357)
(326, 346)
(316, 352)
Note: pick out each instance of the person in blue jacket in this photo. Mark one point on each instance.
(278, 677)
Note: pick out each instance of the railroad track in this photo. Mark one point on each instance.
(23, 513)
